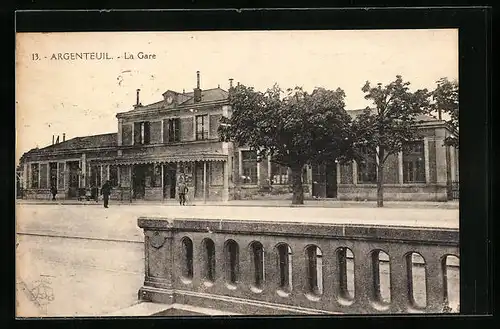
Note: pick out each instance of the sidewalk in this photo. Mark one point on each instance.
(264, 203)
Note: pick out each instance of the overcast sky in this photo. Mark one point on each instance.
(82, 97)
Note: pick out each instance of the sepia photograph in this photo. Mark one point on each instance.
(202, 173)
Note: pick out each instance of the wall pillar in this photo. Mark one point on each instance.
(83, 167)
(354, 172)
(441, 165)
(426, 160)
(204, 181)
(25, 178)
(225, 190)
(338, 173)
(119, 139)
(400, 168)
(452, 164)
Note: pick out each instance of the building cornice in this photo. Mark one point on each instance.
(161, 111)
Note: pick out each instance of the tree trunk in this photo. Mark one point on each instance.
(298, 190)
(380, 179)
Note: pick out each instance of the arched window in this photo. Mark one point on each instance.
(209, 260)
(187, 258)
(381, 276)
(231, 251)
(418, 283)
(314, 258)
(285, 266)
(257, 258)
(451, 272)
(346, 273)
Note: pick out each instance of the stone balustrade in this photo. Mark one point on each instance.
(262, 267)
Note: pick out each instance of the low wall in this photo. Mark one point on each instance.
(214, 263)
(424, 192)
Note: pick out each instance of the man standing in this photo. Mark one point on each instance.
(106, 191)
(53, 191)
(182, 189)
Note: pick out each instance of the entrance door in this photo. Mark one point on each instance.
(318, 181)
(331, 181)
(169, 181)
(139, 181)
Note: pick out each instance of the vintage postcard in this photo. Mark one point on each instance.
(237, 173)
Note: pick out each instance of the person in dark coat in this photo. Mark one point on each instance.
(182, 190)
(53, 191)
(105, 192)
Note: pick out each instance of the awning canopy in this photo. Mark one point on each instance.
(128, 160)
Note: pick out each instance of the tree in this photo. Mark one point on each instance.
(294, 128)
(383, 130)
(445, 98)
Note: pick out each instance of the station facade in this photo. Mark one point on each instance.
(176, 138)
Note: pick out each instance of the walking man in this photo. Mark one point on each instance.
(106, 191)
(182, 189)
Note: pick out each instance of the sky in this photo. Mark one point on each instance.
(82, 97)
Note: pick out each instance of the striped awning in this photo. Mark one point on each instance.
(128, 160)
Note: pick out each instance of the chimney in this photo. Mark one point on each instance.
(238, 83)
(57, 139)
(137, 103)
(53, 139)
(197, 90)
(231, 83)
(64, 137)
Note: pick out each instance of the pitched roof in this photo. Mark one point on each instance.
(209, 95)
(78, 143)
(426, 118)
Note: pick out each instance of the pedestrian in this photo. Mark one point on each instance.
(53, 191)
(182, 189)
(105, 192)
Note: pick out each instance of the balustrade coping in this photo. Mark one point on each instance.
(417, 235)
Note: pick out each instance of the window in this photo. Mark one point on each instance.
(249, 167)
(53, 174)
(367, 168)
(61, 175)
(126, 134)
(142, 133)
(35, 172)
(174, 130)
(279, 174)
(43, 175)
(202, 127)
(414, 162)
(113, 175)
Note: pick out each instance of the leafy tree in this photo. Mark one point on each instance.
(295, 128)
(445, 98)
(384, 129)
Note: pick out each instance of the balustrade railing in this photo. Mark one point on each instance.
(261, 267)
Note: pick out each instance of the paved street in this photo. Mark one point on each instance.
(84, 260)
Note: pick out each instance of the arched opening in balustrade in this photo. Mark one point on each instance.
(285, 266)
(381, 276)
(346, 260)
(418, 284)
(231, 256)
(451, 273)
(208, 254)
(257, 259)
(314, 270)
(187, 258)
